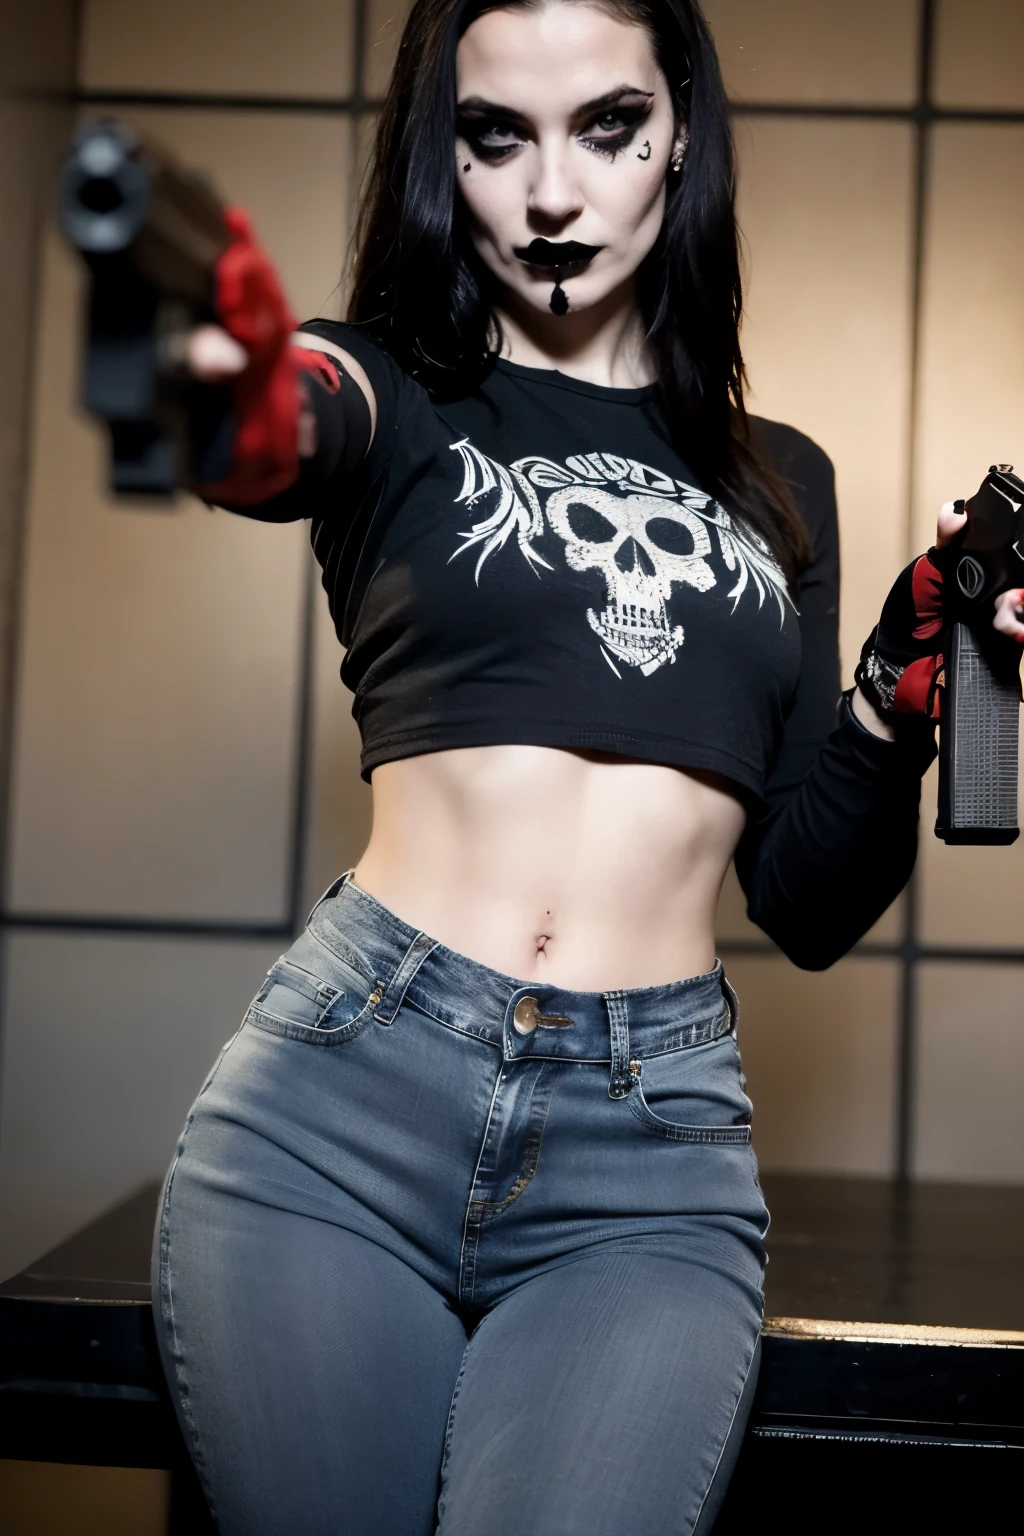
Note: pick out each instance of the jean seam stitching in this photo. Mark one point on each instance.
(410, 963)
(167, 1311)
(472, 1186)
(722, 1135)
(165, 1298)
(490, 1209)
(457, 1029)
(693, 1044)
(339, 1036)
(728, 1432)
(450, 1429)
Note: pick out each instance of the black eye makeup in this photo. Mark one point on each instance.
(490, 139)
(608, 126)
(613, 131)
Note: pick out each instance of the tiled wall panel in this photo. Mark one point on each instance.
(790, 50)
(384, 22)
(159, 668)
(817, 50)
(825, 208)
(236, 47)
(969, 896)
(979, 54)
(971, 415)
(36, 75)
(290, 170)
(972, 361)
(970, 1074)
(820, 1056)
(108, 1040)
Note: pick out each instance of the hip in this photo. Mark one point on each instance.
(386, 1082)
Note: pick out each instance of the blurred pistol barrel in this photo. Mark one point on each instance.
(151, 234)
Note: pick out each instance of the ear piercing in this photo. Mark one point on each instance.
(679, 150)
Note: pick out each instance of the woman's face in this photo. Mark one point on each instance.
(565, 129)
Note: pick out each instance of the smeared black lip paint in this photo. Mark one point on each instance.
(569, 258)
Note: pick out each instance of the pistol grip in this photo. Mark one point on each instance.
(978, 747)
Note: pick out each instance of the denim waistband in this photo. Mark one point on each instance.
(521, 1018)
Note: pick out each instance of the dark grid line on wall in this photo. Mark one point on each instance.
(909, 952)
(907, 1018)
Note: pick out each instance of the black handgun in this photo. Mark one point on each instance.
(978, 732)
(151, 233)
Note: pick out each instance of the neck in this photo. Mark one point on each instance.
(603, 344)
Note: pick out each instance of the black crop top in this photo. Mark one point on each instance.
(536, 564)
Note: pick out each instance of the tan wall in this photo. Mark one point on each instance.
(827, 208)
(36, 75)
(161, 655)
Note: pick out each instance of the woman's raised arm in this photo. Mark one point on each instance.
(303, 410)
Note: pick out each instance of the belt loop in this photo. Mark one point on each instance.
(734, 1005)
(391, 997)
(332, 890)
(620, 1081)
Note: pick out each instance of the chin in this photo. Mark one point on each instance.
(582, 295)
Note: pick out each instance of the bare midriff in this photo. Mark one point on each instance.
(586, 871)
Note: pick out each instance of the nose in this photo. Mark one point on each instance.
(554, 196)
(632, 556)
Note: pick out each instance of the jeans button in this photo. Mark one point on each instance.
(524, 1019)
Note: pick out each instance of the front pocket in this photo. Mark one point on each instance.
(695, 1094)
(300, 1005)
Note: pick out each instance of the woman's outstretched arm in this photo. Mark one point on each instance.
(333, 419)
(302, 412)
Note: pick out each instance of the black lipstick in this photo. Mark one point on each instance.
(569, 257)
(565, 258)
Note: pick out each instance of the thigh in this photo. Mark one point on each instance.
(311, 1369)
(602, 1397)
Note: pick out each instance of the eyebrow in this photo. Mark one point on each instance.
(478, 106)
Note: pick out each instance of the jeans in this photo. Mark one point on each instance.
(444, 1251)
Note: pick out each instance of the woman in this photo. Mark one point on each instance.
(464, 1230)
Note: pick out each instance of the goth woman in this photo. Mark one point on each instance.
(464, 1232)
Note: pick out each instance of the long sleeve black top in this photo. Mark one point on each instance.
(535, 563)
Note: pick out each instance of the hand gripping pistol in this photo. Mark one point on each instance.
(978, 730)
(150, 233)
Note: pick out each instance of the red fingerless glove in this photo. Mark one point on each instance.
(901, 664)
(251, 306)
(901, 667)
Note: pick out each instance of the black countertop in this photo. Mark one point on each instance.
(849, 1250)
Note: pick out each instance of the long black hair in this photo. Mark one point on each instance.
(422, 292)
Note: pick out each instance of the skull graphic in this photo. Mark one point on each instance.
(642, 545)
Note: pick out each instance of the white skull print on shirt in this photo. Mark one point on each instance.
(644, 531)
